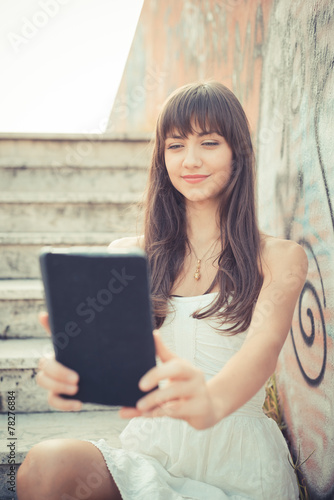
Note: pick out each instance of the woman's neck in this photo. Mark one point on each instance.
(202, 225)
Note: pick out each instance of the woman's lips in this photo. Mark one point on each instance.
(193, 180)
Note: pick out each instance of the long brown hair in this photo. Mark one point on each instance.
(214, 108)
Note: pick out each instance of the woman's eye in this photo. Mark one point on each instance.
(210, 143)
(174, 146)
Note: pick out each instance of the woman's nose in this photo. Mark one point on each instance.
(192, 157)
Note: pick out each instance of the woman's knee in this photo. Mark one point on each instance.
(59, 468)
(36, 472)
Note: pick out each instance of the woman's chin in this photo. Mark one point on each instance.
(197, 197)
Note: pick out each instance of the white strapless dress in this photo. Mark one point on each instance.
(244, 456)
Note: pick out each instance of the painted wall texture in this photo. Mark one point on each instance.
(177, 42)
(296, 194)
(277, 56)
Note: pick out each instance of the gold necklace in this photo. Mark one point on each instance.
(197, 274)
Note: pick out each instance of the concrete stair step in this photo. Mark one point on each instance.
(36, 427)
(20, 303)
(19, 251)
(20, 354)
(69, 212)
(74, 179)
(18, 368)
(37, 197)
(61, 150)
(38, 238)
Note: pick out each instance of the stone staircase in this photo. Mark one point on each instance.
(63, 191)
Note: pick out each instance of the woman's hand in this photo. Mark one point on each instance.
(57, 378)
(185, 395)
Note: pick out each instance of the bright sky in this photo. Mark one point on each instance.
(62, 62)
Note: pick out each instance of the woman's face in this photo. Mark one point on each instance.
(206, 155)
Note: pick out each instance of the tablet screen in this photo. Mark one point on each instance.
(100, 316)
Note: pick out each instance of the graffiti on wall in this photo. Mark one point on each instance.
(295, 169)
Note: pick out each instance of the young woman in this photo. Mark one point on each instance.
(223, 295)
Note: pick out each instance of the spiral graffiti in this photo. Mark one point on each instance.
(309, 338)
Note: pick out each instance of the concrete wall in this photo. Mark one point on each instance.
(277, 56)
(296, 189)
(177, 42)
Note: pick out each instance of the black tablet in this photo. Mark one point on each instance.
(100, 316)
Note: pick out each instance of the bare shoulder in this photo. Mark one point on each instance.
(128, 241)
(280, 256)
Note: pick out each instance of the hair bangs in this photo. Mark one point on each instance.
(197, 110)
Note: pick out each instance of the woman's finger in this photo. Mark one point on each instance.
(54, 385)
(173, 391)
(171, 409)
(182, 409)
(55, 370)
(63, 404)
(129, 412)
(43, 317)
(176, 368)
(44, 360)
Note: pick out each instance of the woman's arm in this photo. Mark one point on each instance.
(202, 404)
(285, 270)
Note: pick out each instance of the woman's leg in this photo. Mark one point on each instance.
(65, 469)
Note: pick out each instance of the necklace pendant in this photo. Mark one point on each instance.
(197, 274)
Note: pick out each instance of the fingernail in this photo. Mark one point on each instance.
(143, 383)
(73, 377)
